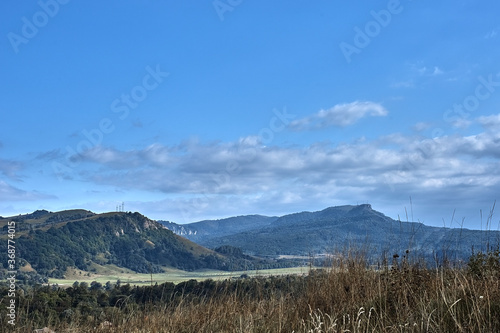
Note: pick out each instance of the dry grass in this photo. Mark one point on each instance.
(349, 297)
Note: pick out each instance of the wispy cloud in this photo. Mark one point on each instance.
(10, 169)
(11, 193)
(403, 84)
(416, 74)
(49, 155)
(437, 71)
(491, 122)
(461, 123)
(426, 71)
(341, 115)
(491, 34)
(421, 126)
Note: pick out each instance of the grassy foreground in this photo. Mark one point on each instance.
(348, 297)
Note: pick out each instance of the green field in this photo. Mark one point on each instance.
(112, 274)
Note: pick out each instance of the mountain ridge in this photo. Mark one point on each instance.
(339, 227)
(50, 242)
(199, 230)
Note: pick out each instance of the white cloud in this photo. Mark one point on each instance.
(340, 115)
(202, 180)
(490, 122)
(384, 169)
(437, 71)
(461, 123)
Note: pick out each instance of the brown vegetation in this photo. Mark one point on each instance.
(348, 297)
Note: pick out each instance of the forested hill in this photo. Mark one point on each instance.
(49, 243)
(334, 229)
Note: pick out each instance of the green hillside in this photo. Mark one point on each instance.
(51, 242)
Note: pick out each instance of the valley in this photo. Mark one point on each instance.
(114, 274)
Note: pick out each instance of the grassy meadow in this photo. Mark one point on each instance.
(113, 273)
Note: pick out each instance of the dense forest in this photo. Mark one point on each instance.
(128, 240)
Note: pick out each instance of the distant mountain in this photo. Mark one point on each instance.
(205, 230)
(339, 228)
(50, 242)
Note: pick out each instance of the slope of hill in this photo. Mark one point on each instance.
(204, 230)
(338, 228)
(52, 242)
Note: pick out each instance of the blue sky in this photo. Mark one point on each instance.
(186, 110)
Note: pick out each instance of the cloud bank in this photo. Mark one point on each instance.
(443, 173)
